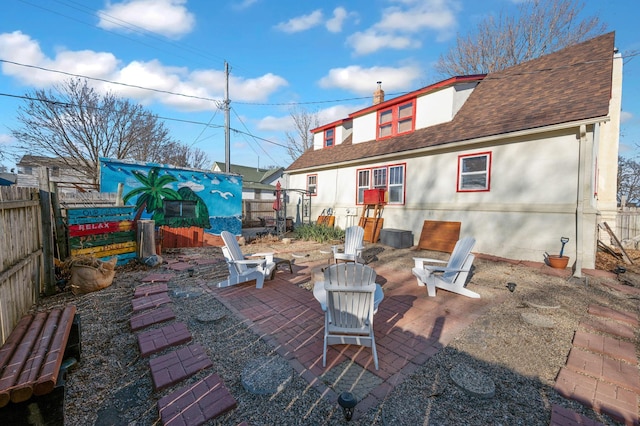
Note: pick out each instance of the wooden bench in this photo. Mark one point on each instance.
(32, 356)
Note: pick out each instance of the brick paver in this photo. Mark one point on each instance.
(609, 326)
(561, 416)
(151, 301)
(170, 368)
(604, 368)
(194, 405)
(621, 404)
(603, 311)
(148, 318)
(149, 289)
(610, 346)
(153, 341)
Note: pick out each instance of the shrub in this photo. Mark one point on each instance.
(319, 233)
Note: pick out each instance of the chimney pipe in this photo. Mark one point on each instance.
(378, 95)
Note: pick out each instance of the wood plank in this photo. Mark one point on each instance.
(100, 228)
(95, 240)
(51, 367)
(104, 253)
(439, 235)
(100, 211)
(625, 256)
(97, 219)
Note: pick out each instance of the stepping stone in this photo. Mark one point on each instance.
(473, 382)
(148, 318)
(180, 266)
(153, 341)
(152, 301)
(194, 405)
(155, 278)
(148, 290)
(537, 320)
(169, 369)
(266, 375)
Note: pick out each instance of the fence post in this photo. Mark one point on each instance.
(47, 232)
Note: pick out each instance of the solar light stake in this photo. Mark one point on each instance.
(347, 401)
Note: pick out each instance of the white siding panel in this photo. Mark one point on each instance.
(364, 128)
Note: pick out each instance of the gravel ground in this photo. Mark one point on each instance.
(112, 383)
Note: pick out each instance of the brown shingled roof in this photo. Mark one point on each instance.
(569, 85)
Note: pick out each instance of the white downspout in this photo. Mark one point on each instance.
(582, 169)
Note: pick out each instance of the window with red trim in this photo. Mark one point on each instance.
(329, 137)
(312, 184)
(474, 172)
(396, 120)
(389, 178)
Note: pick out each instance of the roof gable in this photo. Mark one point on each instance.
(566, 86)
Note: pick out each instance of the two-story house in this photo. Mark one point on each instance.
(521, 157)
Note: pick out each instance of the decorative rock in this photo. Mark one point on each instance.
(211, 316)
(286, 241)
(473, 382)
(266, 375)
(537, 320)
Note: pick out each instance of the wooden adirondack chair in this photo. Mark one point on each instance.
(353, 246)
(452, 277)
(349, 311)
(242, 269)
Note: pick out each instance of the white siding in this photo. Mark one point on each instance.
(365, 127)
(434, 108)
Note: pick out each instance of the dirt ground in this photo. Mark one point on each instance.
(111, 368)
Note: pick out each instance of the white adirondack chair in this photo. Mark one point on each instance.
(242, 269)
(348, 319)
(353, 246)
(452, 277)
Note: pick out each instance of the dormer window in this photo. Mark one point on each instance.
(329, 137)
(396, 120)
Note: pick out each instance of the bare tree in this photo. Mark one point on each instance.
(77, 125)
(628, 180)
(302, 139)
(540, 27)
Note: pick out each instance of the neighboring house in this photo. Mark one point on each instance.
(66, 178)
(8, 179)
(257, 183)
(521, 157)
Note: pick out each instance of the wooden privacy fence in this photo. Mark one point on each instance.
(21, 254)
(254, 210)
(628, 223)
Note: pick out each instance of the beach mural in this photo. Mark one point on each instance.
(177, 197)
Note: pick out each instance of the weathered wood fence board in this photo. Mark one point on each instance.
(21, 254)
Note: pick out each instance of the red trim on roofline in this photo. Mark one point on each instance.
(444, 83)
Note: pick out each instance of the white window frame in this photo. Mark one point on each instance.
(469, 174)
(386, 173)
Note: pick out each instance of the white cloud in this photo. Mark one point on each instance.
(371, 41)
(244, 4)
(301, 23)
(167, 17)
(286, 124)
(402, 26)
(203, 83)
(334, 24)
(625, 116)
(6, 139)
(363, 80)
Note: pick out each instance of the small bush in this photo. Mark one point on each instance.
(319, 233)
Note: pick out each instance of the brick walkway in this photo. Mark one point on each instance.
(192, 404)
(602, 367)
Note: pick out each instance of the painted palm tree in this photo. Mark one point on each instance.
(152, 193)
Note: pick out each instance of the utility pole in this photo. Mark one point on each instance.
(227, 136)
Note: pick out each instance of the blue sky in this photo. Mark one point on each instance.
(326, 55)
